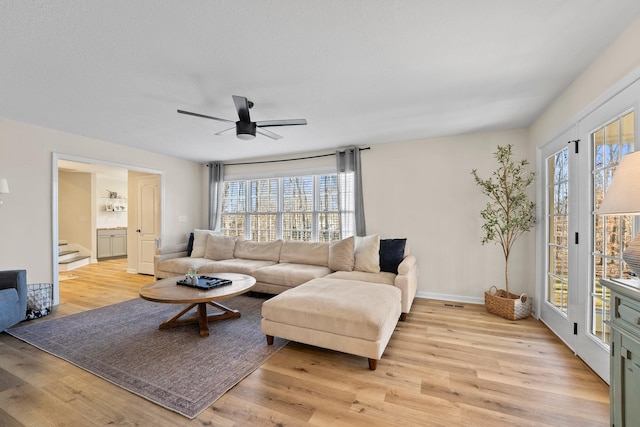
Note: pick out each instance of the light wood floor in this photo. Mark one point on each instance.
(444, 366)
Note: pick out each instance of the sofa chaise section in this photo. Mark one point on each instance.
(349, 316)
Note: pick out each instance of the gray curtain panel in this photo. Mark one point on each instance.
(350, 202)
(216, 191)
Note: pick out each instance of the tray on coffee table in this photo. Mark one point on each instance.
(205, 282)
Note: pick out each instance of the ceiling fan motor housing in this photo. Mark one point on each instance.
(246, 130)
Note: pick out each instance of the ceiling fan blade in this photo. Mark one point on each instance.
(224, 131)
(242, 106)
(204, 116)
(268, 133)
(290, 122)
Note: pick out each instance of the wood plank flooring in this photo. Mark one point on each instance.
(444, 366)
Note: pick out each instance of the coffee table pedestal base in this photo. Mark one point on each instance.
(201, 317)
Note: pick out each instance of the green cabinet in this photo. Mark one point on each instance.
(625, 352)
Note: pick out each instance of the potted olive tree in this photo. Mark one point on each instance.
(509, 214)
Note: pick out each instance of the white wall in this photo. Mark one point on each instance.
(424, 190)
(620, 60)
(26, 216)
(112, 218)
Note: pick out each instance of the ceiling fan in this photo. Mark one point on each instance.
(245, 128)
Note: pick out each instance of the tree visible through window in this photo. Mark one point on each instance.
(292, 208)
(611, 233)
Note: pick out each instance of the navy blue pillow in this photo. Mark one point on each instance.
(190, 245)
(391, 254)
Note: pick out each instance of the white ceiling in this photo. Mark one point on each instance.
(360, 71)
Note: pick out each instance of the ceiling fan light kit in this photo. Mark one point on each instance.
(245, 128)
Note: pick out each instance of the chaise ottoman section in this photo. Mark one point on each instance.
(344, 315)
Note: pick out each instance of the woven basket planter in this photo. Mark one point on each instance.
(510, 306)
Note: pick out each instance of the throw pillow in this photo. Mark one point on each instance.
(341, 254)
(391, 254)
(367, 253)
(190, 245)
(219, 247)
(199, 243)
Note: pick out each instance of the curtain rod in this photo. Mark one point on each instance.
(287, 160)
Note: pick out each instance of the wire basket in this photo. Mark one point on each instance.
(510, 306)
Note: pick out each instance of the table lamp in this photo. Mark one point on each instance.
(623, 198)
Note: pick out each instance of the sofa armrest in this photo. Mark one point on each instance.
(16, 279)
(176, 250)
(407, 281)
(168, 252)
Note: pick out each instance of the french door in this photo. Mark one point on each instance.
(559, 171)
(582, 247)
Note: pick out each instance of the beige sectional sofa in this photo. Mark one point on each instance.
(280, 265)
(345, 296)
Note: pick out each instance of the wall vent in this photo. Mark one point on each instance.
(453, 305)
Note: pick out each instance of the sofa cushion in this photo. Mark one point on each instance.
(313, 253)
(180, 266)
(199, 243)
(265, 251)
(367, 253)
(391, 254)
(289, 274)
(350, 308)
(384, 278)
(234, 265)
(341, 256)
(219, 247)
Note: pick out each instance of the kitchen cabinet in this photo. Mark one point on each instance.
(112, 242)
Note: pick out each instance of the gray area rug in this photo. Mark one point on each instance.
(174, 368)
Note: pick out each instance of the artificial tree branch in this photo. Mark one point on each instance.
(509, 213)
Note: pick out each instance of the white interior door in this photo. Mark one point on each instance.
(148, 227)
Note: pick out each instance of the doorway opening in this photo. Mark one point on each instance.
(96, 211)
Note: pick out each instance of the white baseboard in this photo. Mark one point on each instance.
(454, 298)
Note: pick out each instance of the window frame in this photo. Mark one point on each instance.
(316, 232)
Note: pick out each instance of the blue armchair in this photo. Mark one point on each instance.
(13, 297)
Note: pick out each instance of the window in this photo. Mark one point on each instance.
(611, 233)
(234, 208)
(558, 239)
(292, 208)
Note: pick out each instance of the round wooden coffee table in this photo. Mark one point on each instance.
(167, 291)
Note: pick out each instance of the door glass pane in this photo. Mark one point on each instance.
(557, 242)
(610, 233)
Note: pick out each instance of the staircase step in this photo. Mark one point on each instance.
(67, 256)
(72, 263)
(74, 259)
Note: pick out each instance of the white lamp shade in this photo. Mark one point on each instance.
(4, 186)
(623, 195)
